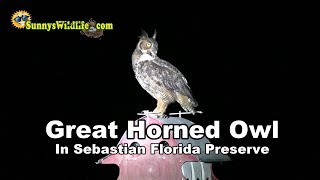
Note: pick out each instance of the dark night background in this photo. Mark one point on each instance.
(232, 60)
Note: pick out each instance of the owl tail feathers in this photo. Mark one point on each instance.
(188, 104)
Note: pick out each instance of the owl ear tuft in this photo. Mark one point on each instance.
(144, 34)
(154, 34)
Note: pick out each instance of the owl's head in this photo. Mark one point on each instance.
(148, 45)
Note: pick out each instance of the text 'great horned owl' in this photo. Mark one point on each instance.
(159, 78)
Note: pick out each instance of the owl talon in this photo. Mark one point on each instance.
(164, 116)
(159, 115)
(152, 114)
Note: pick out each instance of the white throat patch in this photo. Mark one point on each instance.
(145, 57)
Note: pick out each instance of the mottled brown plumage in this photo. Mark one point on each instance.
(159, 78)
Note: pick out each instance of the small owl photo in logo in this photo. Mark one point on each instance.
(20, 18)
(92, 32)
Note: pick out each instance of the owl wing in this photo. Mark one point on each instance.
(166, 75)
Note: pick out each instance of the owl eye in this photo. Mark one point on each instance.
(148, 44)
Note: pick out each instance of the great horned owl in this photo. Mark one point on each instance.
(159, 78)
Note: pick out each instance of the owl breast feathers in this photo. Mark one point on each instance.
(159, 78)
